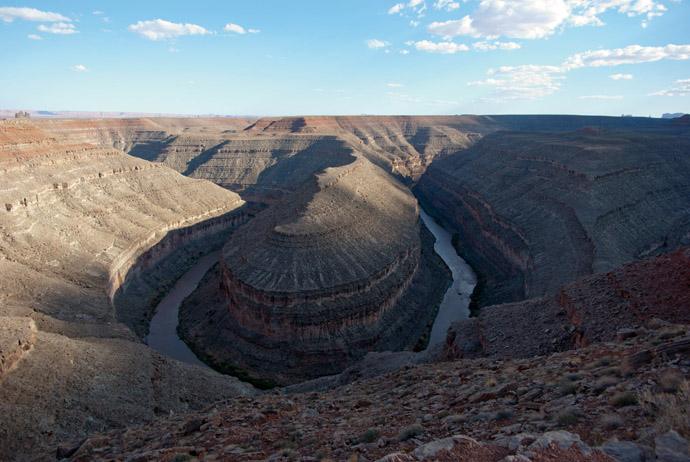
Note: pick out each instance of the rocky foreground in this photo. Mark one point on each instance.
(623, 400)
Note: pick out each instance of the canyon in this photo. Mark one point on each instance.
(323, 277)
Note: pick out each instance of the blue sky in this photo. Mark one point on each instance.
(347, 57)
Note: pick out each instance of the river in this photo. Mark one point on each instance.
(455, 305)
(456, 301)
(163, 328)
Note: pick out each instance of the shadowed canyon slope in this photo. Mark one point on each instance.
(76, 220)
(534, 211)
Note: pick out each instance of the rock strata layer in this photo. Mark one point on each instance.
(534, 211)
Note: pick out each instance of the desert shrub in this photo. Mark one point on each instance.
(624, 398)
(455, 419)
(410, 432)
(670, 381)
(503, 414)
(369, 436)
(566, 387)
(612, 371)
(602, 383)
(182, 457)
(611, 421)
(568, 416)
(671, 410)
(602, 362)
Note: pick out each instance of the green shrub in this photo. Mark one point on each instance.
(671, 411)
(568, 417)
(622, 399)
(410, 432)
(369, 436)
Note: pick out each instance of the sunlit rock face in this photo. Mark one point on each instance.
(79, 224)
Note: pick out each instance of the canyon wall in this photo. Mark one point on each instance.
(534, 211)
(235, 152)
(75, 220)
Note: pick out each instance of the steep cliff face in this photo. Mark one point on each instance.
(535, 211)
(77, 225)
(315, 281)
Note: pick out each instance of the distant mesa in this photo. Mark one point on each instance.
(673, 115)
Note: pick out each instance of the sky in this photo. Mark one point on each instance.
(277, 57)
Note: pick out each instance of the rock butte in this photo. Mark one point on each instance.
(327, 262)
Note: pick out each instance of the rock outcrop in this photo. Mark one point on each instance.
(316, 281)
(79, 224)
(594, 309)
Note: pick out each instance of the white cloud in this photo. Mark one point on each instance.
(588, 12)
(602, 97)
(34, 37)
(9, 14)
(60, 28)
(632, 54)
(79, 68)
(525, 19)
(522, 82)
(490, 46)
(236, 28)
(159, 29)
(681, 88)
(534, 81)
(394, 85)
(404, 52)
(535, 19)
(253, 31)
(97, 13)
(397, 8)
(448, 5)
(417, 6)
(376, 43)
(447, 48)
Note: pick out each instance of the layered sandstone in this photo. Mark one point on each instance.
(315, 281)
(79, 225)
(235, 152)
(534, 211)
